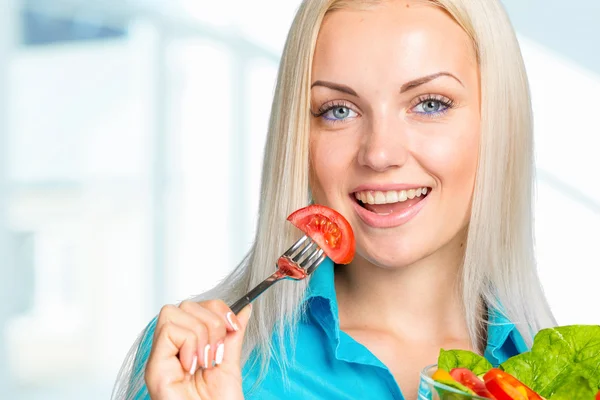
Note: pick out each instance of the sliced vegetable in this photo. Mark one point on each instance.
(503, 390)
(329, 229)
(467, 378)
(564, 363)
(441, 374)
(502, 385)
(445, 378)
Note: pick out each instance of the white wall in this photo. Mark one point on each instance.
(567, 138)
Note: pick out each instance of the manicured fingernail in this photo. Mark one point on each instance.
(219, 355)
(194, 365)
(229, 317)
(206, 352)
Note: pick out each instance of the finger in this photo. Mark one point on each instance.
(232, 324)
(223, 310)
(235, 340)
(184, 317)
(216, 326)
(166, 313)
(172, 341)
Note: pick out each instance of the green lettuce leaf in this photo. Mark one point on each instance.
(450, 359)
(557, 356)
(575, 388)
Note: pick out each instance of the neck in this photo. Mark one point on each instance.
(421, 301)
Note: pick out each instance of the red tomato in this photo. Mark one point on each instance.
(329, 229)
(503, 390)
(598, 396)
(467, 378)
(506, 387)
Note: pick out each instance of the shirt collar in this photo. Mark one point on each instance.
(323, 309)
(322, 284)
(321, 300)
(504, 340)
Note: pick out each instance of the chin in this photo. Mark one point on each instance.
(389, 260)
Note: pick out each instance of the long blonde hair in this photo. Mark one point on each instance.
(499, 268)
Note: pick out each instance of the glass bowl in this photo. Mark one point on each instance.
(432, 390)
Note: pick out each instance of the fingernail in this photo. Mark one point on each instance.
(220, 352)
(194, 365)
(206, 352)
(229, 317)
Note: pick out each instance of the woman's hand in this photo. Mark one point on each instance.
(187, 340)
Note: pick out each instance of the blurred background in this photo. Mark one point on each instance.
(131, 138)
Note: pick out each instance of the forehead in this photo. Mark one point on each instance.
(410, 38)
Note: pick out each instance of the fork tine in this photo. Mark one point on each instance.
(311, 267)
(310, 248)
(313, 254)
(312, 257)
(296, 246)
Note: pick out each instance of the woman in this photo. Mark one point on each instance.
(423, 108)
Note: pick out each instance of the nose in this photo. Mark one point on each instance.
(384, 145)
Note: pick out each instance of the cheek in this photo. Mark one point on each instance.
(331, 156)
(452, 157)
(320, 168)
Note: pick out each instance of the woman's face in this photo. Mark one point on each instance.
(395, 128)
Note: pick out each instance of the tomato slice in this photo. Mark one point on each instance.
(503, 390)
(506, 387)
(467, 378)
(329, 229)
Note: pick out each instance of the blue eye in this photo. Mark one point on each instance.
(338, 113)
(431, 107)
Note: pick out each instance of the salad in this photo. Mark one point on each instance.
(563, 364)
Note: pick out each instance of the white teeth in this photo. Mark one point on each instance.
(370, 198)
(389, 197)
(379, 198)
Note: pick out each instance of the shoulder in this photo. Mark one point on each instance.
(284, 373)
(305, 366)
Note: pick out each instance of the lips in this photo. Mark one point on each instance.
(389, 208)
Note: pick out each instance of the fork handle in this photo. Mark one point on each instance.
(254, 293)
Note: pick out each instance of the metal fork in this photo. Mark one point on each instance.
(298, 262)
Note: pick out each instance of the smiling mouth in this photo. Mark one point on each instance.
(392, 201)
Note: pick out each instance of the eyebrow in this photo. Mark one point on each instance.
(423, 80)
(406, 87)
(335, 86)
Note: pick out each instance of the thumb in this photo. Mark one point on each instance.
(235, 340)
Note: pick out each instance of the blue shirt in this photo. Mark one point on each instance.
(328, 364)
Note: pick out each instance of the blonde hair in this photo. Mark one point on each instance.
(499, 267)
